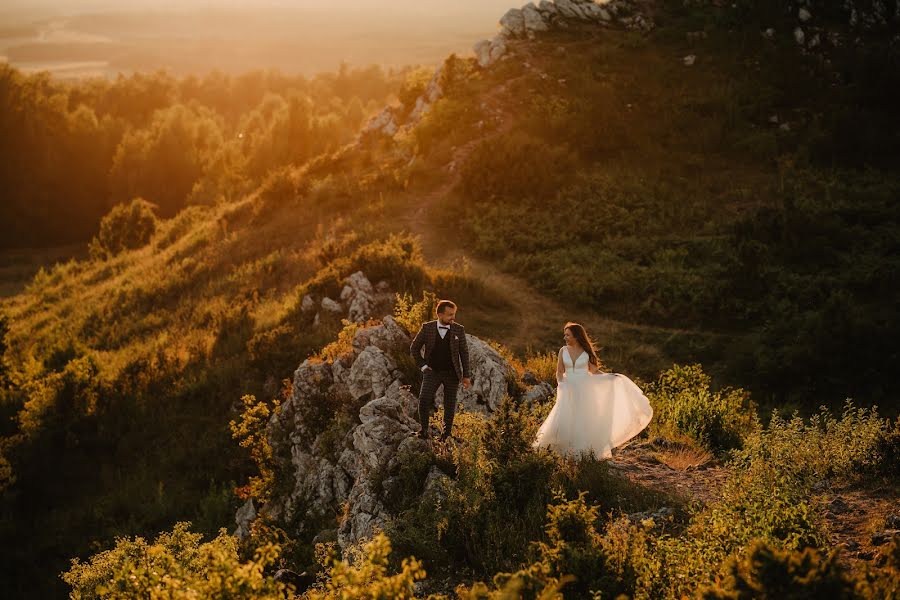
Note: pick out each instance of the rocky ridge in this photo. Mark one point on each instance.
(353, 467)
(515, 25)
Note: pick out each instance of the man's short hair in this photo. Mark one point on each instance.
(444, 305)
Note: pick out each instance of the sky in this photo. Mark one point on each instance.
(75, 38)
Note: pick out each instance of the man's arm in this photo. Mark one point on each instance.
(415, 349)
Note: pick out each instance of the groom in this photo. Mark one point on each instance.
(445, 363)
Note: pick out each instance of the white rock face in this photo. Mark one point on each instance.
(330, 471)
(331, 306)
(799, 36)
(804, 15)
(307, 304)
(538, 392)
(513, 22)
(482, 51)
(372, 372)
(689, 60)
(569, 9)
(384, 122)
(490, 376)
(532, 19)
(245, 515)
(359, 297)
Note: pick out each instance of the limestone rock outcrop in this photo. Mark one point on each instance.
(353, 464)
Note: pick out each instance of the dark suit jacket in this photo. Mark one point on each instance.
(459, 348)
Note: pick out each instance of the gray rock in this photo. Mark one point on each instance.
(883, 537)
(533, 20)
(538, 393)
(689, 60)
(548, 8)
(569, 9)
(372, 372)
(244, 516)
(490, 376)
(804, 15)
(799, 36)
(528, 378)
(838, 506)
(389, 336)
(513, 22)
(482, 51)
(331, 306)
(366, 515)
(307, 304)
(359, 297)
(498, 48)
(436, 484)
(384, 122)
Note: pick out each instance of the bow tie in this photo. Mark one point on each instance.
(443, 327)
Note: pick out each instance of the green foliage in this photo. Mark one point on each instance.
(517, 167)
(412, 87)
(684, 404)
(530, 583)
(250, 432)
(343, 345)
(75, 149)
(410, 315)
(823, 447)
(366, 576)
(769, 573)
(176, 565)
(126, 227)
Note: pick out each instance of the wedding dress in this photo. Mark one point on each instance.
(593, 412)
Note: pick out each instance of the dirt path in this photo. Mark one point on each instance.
(528, 319)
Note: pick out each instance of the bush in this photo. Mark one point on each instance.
(410, 315)
(684, 404)
(365, 575)
(178, 566)
(825, 447)
(251, 433)
(125, 227)
(769, 573)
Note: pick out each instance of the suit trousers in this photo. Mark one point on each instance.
(431, 381)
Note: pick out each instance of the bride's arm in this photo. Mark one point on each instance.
(560, 367)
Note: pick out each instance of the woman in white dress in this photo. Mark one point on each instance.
(593, 411)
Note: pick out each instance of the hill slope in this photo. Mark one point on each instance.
(739, 211)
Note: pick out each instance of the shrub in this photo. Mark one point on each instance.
(768, 573)
(410, 315)
(125, 227)
(178, 566)
(822, 448)
(365, 575)
(516, 166)
(683, 403)
(250, 432)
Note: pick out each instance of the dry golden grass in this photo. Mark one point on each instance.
(681, 453)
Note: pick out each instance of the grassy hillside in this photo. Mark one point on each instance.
(748, 200)
(592, 175)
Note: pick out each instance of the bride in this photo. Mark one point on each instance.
(593, 411)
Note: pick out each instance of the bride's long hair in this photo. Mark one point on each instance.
(584, 340)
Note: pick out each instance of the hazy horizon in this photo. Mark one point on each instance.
(103, 38)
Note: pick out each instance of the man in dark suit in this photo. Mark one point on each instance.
(444, 362)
